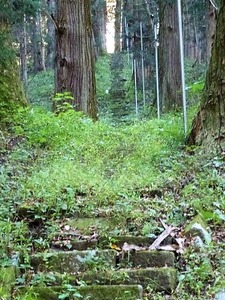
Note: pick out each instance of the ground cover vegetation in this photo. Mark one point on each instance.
(58, 166)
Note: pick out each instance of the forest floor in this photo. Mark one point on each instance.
(114, 186)
(141, 174)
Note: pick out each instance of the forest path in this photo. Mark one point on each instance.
(119, 102)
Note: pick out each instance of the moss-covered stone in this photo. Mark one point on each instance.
(196, 220)
(121, 292)
(74, 244)
(86, 225)
(159, 279)
(198, 227)
(73, 261)
(109, 292)
(146, 259)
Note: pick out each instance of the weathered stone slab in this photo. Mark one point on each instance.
(141, 241)
(74, 244)
(159, 279)
(145, 259)
(87, 225)
(120, 240)
(107, 292)
(73, 261)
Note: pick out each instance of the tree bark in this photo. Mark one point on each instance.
(99, 19)
(210, 29)
(169, 57)
(209, 124)
(75, 56)
(50, 49)
(23, 53)
(38, 44)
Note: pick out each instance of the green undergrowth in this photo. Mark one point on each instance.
(40, 89)
(65, 165)
(97, 160)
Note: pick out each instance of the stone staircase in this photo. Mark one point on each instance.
(120, 106)
(92, 267)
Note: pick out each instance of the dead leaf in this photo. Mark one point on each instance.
(115, 247)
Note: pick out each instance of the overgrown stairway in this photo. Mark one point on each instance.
(93, 266)
(120, 106)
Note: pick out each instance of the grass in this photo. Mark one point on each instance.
(59, 166)
(97, 156)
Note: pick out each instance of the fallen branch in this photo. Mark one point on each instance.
(162, 237)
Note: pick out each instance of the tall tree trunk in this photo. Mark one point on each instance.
(194, 19)
(11, 90)
(210, 30)
(99, 19)
(169, 56)
(118, 26)
(50, 49)
(38, 44)
(209, 124)
(75, 56)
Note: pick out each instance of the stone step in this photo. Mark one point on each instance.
(73, 261)
(97, 292)
(68, 241)
(158, 279)
(145, 259)
(71, 243)
(119, 240)
(80, 261)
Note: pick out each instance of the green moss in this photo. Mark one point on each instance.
(74, 261)
(121, 239)
(11, 91)
(147, 259)
(85, 225)
(39, 293)
(159, 279)
(122, 292)
(7, 279)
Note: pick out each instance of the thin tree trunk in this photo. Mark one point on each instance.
(23, 53)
